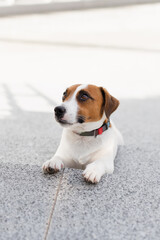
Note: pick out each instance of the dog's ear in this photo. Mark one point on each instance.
(110, 103)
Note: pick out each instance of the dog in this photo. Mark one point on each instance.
(89, 139)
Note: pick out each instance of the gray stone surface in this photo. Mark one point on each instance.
(124, 205)
(26, 200)
(26, 194)
(28, 138)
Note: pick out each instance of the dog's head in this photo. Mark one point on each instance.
(85, 107)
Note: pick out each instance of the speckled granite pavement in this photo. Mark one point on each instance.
(125, 205)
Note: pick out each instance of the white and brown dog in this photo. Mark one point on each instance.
(89, 140)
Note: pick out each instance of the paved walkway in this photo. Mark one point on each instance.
(122, 206)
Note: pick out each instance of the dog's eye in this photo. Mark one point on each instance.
(64, 95)
(84, 97)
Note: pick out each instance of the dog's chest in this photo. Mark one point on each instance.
(81, 150)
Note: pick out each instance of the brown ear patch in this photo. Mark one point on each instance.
(69, 92)
(110, 103)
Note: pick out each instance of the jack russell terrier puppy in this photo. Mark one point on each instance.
(89, 140)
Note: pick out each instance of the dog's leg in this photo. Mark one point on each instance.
(97, 168)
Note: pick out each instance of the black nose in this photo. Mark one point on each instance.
(60, 111)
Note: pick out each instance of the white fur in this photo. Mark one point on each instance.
(94, 155)
(72, 107)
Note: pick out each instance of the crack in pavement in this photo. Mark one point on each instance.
(53, 206)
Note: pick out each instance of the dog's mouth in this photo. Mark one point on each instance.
(62, 121)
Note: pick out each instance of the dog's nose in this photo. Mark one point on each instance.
(60, 111)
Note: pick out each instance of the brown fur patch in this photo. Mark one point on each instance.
(91, 109)
(69, 92)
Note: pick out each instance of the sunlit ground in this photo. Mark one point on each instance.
(41, 55)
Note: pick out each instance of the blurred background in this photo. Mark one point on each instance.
(45, 46)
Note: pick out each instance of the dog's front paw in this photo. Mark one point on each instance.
(52, 166)
(92, 174)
